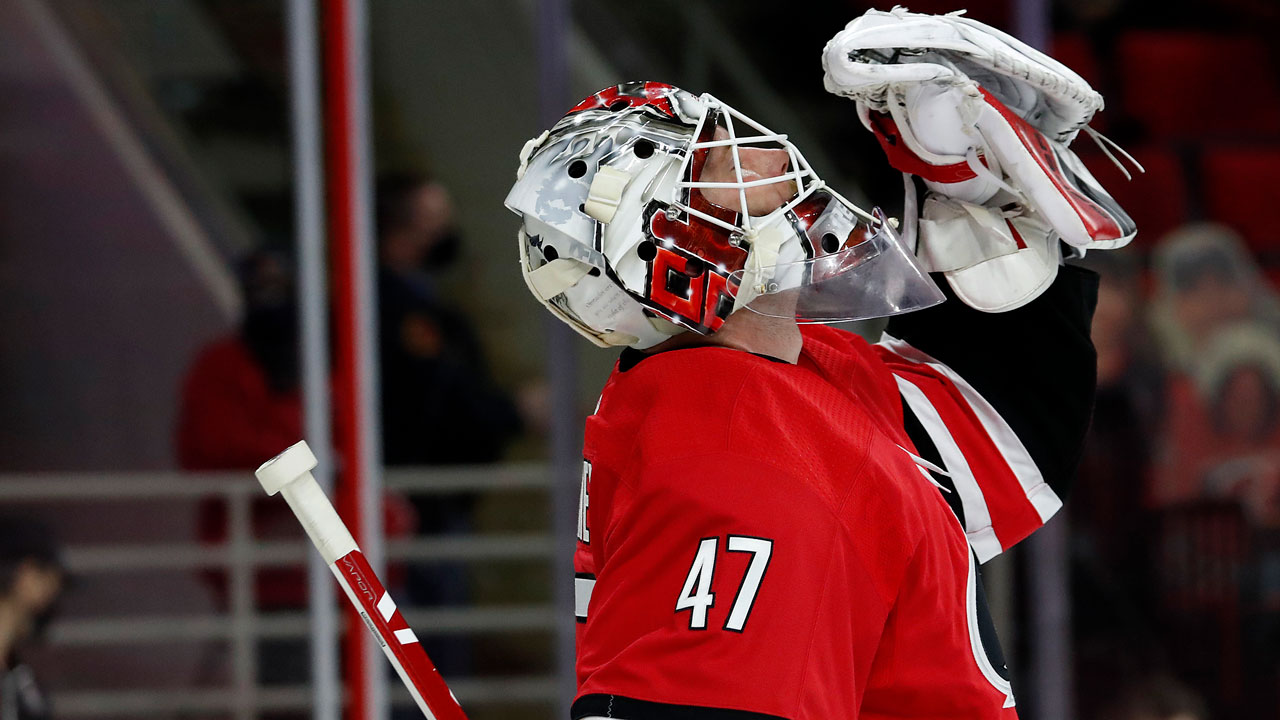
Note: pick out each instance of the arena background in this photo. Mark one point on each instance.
(179, 179)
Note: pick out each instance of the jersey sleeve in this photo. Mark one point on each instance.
(1001, 401)
(726, 588)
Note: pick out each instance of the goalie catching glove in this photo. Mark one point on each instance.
(985, 122)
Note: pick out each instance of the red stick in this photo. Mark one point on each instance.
(289, 474)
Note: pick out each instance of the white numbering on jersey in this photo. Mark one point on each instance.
(760, 549)
(584, 501)
(696, 595)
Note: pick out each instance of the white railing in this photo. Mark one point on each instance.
(242, 627)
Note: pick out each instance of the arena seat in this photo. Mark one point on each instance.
(1157, 67)
(1240, 189)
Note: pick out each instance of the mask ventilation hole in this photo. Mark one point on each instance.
(830, 243)
(647, 251)
(617, 105)
(577, 169)
(643, 149)
(550, 253)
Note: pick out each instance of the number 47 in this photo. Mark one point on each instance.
(697, 597)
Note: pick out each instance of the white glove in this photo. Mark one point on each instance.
(984, 120)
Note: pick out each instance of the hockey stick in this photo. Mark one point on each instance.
(289, 474)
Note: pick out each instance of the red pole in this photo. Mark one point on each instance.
(344, 234)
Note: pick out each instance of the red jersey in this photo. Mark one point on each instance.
(763, 540)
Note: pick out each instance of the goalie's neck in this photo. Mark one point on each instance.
(748, 331)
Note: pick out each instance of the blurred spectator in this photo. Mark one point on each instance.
(240, 400)
(1223, 438)
(439, 405)
(1216, 476)
(31, 579)
(240, 407)
(1205, 281)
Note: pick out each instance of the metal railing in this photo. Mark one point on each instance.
(242, 626)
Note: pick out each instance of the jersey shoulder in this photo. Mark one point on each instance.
(818, 420)
(677, 402)
(849, 361)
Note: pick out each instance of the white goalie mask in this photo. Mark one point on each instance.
(647, 211)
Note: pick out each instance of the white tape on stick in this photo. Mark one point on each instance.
(289, 474)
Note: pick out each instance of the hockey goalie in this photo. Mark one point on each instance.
(778, 519)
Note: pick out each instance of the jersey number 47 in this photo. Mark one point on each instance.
(697, 597)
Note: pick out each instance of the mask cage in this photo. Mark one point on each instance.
(742, 131)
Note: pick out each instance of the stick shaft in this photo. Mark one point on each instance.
(366, 593)
(398, 641)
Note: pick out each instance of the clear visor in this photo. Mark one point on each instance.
(869, 274)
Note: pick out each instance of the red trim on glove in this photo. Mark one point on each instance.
(1098, 223)
(901, 157)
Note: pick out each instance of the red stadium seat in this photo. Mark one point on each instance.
(1241, 190)
(1167, 74)
(1156, 200)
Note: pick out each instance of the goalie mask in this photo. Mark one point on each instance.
(647, 211)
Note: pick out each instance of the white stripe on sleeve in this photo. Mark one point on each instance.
(582, 588)
(977, 517)
(1038, 492)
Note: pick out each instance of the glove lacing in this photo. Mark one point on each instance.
(1098, 138)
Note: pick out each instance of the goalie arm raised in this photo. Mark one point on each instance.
(1002, 402)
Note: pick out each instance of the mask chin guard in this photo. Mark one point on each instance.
(766, 244)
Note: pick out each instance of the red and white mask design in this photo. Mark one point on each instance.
(648, 211)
